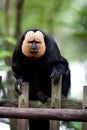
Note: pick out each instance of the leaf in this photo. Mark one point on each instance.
(11, 40)
(5, 53)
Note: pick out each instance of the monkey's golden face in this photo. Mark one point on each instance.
(33, 44)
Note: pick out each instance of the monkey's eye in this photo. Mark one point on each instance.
(34, 41)
(38, 42)
(30, 41)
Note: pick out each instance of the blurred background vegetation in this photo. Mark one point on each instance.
(64, 20)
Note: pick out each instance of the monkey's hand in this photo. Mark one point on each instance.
(42, 97)
(55, 76)
(18, 86)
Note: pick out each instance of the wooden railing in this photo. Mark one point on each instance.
(56, 109)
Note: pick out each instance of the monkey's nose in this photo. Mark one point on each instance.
(33, 48)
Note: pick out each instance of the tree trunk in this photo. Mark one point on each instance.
(19, 5)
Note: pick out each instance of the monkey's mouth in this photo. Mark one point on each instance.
(33, 51)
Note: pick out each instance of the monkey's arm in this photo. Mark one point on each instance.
(17, 69)
(19, 79)
(57, 71)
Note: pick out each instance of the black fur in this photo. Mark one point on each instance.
(40, 72)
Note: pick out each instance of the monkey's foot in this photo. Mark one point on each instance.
(42, 97)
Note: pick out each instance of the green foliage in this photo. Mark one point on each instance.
(72, 30)
(80, 25)
(73, 125)
(79, 33)
(77, 125)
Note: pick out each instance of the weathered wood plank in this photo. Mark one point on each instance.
(65, 103)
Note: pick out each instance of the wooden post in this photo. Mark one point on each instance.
(23, 124)
(56, 103)
(84, 124)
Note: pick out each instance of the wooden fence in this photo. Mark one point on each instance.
(55, 109)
